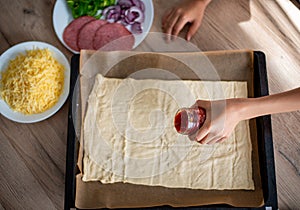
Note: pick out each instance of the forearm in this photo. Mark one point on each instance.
(272, 104)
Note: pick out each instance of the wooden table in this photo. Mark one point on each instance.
(33, 156)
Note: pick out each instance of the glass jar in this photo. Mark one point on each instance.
(187, 121)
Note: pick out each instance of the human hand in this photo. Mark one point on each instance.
(188, 11)
(221, 118)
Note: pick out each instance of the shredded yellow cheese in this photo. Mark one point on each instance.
(32, 82)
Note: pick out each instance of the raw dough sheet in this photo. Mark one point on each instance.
(129, 136)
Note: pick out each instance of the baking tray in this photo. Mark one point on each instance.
(264, 134)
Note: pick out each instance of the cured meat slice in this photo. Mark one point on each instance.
(113, 36)
(87, 33)
(71, 31)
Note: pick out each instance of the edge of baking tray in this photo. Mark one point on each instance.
(264, 131)
(72, 143)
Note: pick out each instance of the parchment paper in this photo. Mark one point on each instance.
(129, 136)
(229, 66)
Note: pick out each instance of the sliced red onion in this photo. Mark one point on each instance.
(112, 13)
(123, 22)
(127, 12)
(123, 13)
(125, 3)
(134, 14)
(139, 4)
(136, 28)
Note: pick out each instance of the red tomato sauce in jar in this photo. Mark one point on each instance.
(188, 120)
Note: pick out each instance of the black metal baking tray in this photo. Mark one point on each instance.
(264, 133)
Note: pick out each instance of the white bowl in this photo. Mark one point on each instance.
(10, 54)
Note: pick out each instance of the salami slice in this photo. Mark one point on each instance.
(113, 36)
(71, 31)
(87, 33)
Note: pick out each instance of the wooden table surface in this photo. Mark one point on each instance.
(33, 156)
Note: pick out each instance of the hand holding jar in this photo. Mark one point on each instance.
(221, 116)
(208, 122)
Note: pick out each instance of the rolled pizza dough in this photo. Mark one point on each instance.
(129, 136)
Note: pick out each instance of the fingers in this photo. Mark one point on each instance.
(193, 137)
(206, 136)
(173, 22)
(221, 140)
(192, 30)
(166, 17)
(208, 139)
(216, 140)
(200, 135)
(181, 21)
(169, 23)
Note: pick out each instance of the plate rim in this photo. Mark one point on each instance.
(10, 54)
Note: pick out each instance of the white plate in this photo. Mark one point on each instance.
(62, 16)
(10, 54)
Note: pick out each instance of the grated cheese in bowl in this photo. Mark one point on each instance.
(32, 82)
